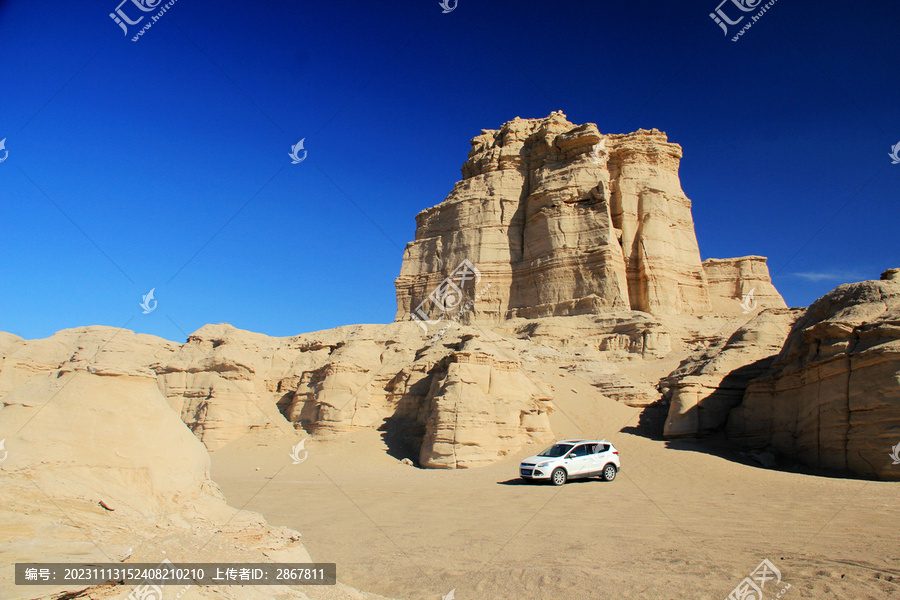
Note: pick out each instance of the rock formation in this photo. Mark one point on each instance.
(577, 246)
(561, 220)
(98, 468)
(741, 284)
(224, 383)
(459, 403)
(594, 348)
(481, 407)
(831, 398)
(105, 350)
(561, 246)
(706, 386)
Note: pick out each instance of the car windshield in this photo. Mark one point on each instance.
(556, 451)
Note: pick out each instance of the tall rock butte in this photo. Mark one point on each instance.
(564, 220)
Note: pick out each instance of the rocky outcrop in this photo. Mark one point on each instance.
(707, 385)
(741, 284)
(98, 468)
(482, 406)
(577, 246)
(613, 336)
(594, 348)
(104, 351)
(560, 219)
(460, 403)
(224, 383)
(831, 398)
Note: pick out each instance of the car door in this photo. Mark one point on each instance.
(578, 460)
(597, 459)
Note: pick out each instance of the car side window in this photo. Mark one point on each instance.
(582, 450)
(601, 448)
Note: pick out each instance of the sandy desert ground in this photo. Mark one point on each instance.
(682, 520)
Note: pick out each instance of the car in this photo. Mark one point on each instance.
(572, 459)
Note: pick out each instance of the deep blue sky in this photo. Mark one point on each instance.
(133, 162)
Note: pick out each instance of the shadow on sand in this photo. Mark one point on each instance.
(523, 482)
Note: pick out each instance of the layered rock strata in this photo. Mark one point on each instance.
(459, 402)
(480, 407)
(707, 385)
(831, 398)
(741, 284)
(561, 220)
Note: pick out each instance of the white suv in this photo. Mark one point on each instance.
(572, 459)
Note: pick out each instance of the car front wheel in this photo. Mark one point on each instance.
(609, 472)
(559, 476)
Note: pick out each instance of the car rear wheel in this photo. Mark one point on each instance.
(609, 472)
(559, 476)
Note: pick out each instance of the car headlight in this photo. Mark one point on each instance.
(544, 464)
